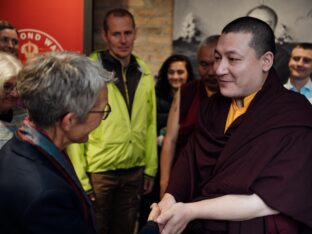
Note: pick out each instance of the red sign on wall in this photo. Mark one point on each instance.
(50, 25)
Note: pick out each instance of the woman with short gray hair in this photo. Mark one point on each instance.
(10, 114)
(66, 98)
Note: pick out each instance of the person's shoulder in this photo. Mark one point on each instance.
(20, 168)
(16, 146)
(218, 98)
(192, 84)
(100, 56)
(293, 98)
(142, 64)
(292, 107)
(94, 55)
(19, 158)
(216, 101)
(138, 58)
(288, 85)
(30, 172)
(189, 89)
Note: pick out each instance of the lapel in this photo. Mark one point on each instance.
(61, 164)
(25, 149)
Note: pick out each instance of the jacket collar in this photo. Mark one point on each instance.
(107, 58)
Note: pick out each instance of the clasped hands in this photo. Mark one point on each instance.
(171, 217)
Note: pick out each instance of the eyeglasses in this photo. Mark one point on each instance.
(105, 112)
(8, 86)
(8, 40)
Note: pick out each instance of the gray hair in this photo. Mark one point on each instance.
(9, 67)
(211, 40)
(54, 84)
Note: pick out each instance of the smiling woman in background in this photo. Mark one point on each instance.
(174, 72)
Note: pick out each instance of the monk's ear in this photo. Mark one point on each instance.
(267, 61)
(68, 121)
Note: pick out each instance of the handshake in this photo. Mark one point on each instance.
(166, 217)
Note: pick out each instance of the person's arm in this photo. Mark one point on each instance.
(156, 209)
(169, 143)
(151, 158)
(227, 207)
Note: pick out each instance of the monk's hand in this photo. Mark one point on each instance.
(175, 219)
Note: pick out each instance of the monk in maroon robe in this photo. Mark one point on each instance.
(192, 95)
(251, 173)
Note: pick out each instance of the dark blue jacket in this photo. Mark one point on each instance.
(36, 195)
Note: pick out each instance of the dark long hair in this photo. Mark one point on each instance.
(7, 25)
(163, 88)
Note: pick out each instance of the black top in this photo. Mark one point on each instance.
(133, 74)
(35, 196)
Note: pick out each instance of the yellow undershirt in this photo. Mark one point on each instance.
(209, 92)
(236, 111)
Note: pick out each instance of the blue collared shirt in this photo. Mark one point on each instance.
(306, 90)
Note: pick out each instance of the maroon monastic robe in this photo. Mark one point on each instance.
(266, 151)
(192, 94)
